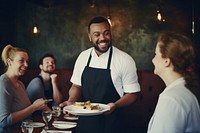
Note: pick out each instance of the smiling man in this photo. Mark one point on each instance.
(45, 84)
(103, 74)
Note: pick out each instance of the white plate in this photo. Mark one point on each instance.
(55, 131)
(37, 124)
(64, 126)
(78, 110)
(72, 118)
(64, 122)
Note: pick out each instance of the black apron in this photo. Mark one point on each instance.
(97, 87)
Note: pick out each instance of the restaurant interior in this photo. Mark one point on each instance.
(60, 27)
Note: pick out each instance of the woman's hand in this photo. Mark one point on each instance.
(40, 104)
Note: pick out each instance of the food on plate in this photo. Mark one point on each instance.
(79, 103)
(87, 105)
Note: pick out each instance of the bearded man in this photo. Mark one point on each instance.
(45, 84)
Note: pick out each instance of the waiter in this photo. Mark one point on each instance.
(103, 74)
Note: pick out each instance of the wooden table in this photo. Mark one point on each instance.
(38, 118)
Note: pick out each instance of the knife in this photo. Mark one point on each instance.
(57, 131)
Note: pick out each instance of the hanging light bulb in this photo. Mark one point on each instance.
(159, 16)
(109, 16)
(109, 20)
(35, 29)
(92, 3)
(192, 27)
(193, 23)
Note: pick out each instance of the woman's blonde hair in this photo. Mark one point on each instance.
(9, 53)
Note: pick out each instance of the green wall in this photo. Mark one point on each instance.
(63, 28)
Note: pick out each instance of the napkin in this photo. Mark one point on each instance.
(55, 131)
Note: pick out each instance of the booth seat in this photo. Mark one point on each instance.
(137, 115)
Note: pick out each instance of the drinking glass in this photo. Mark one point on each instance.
(26, 126)
(56, 111)
(46, 115)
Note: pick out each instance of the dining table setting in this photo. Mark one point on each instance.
(55, 121)
(49, 122)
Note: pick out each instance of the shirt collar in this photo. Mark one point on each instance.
(175, 83)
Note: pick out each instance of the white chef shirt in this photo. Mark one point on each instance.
(177, 111)
(123, 69)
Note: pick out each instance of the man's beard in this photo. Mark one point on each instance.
(47, 71)
(96, 46)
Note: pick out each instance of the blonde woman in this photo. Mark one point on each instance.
(15, 105)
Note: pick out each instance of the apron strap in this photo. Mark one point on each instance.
(110, 57)
(89, 60)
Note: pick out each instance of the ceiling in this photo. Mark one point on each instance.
(50, 3)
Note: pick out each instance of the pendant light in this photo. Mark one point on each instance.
(35, 28)
(109, 16)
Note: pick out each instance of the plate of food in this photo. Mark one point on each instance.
(86, 108)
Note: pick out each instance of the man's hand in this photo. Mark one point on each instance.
(113, 106)
(65, 103)
(54, 78)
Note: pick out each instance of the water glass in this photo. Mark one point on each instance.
(56, 111)
(46, 115)
(26, 126)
